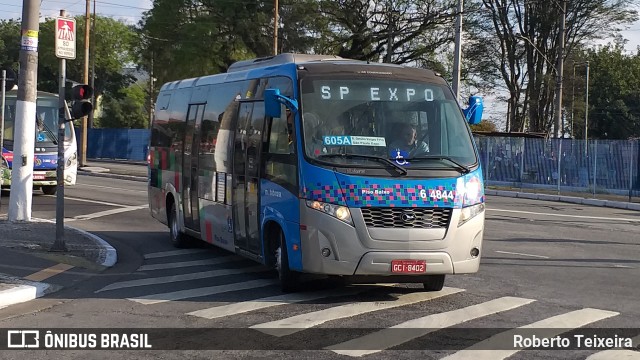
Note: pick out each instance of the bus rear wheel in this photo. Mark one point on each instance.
(178, 239)
(434, 283)
(49, 189)
(288, 278)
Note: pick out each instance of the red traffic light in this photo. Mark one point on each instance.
(82, 92)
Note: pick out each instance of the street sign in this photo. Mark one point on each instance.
(65, 38)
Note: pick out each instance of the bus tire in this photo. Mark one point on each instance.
(288, 278)
(178, 239)
(434, 283)
(49, 189)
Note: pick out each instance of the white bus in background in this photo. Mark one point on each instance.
(46, 143)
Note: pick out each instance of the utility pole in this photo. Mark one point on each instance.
(388, 57)
(586, 112)
(559, 68)
(458, 52)
(85, 80)
(92, 51)
(25, 124)
(275, 27)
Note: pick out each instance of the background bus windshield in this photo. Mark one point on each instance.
(46, 125)
(398, 120)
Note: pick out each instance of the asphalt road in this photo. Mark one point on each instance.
(552, 265)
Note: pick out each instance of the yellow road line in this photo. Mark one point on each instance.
(49, 272)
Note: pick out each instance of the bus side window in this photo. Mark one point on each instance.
(280, 160)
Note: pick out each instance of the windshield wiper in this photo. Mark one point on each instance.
(46, 128)
(462, 168)
(400, 169)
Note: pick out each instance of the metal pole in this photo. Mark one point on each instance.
(87, 22)
(559, 164)
(559, 69)
(92, 51)
(59, 244)
(457, 52)
(586, 111)
(25, 122)
(573, 96)
(630, 170)
(4, 84)
(595, 165)
(275, 27)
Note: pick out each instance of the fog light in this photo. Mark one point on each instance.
(326, 252)
(475, 252)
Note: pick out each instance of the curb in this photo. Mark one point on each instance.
(107, 252)
(23, 291)
(113, 176)
(565, 199)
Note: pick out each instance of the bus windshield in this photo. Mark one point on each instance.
(414, 124)
(46, 120)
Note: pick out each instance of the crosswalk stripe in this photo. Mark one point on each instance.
(267, 302)
(391, 337)
(618, 354)
(297, 323)
(173, 253)
(181, 277)
(181, 264)
(205, 291)
(552, 326)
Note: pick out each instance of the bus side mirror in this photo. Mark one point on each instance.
(271, 103)
(473, 113)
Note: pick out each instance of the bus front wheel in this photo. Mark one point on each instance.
(49, 189)
(434, 283)
(288, 278)
(178, 239)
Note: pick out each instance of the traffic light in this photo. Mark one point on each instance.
(81, 95)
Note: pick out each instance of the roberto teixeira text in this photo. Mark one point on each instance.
(67, 339)
(576, 341)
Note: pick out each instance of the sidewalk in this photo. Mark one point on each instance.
(126, 170)
(28, 269)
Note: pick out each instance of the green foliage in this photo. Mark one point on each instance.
(9, 44)
(484, 125)
(125, 110)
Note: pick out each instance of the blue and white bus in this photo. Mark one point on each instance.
(46, 143)
(323, 165)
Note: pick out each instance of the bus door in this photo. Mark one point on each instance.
(246, 174)
(190, 205)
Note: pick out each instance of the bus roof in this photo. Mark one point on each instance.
(14, 93)
(285, 63)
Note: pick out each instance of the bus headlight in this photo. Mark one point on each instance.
(339, 212)
(71, 160)
(470, 212)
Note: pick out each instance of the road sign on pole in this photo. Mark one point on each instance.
(65, 38)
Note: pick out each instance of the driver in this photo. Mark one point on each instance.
(408, 142)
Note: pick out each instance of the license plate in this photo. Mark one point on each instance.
(408, 266)
(39, 176)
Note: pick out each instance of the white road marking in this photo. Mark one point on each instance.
(552, 327)
(393, 336)
(92, 201)
(107, 213)
(173, 253)
(181, 264)
(566, 215)
(181, 277)
(267, 302)
(623, 266)
(111, 188)
(198, 292)
(617, 353)
(522, 254)
(297, 323)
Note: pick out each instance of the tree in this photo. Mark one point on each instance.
(125, 109)
(527, 35)
(9, 44)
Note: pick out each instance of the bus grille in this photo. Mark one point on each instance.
(421, 218)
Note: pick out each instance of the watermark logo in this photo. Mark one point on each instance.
(23, 339)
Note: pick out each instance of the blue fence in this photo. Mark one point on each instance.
(125, 144)
(564, 165)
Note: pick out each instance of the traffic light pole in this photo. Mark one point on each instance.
(59, 244)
